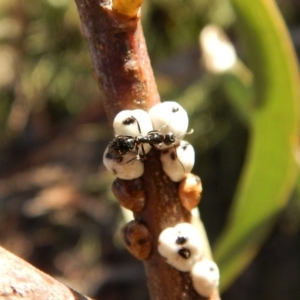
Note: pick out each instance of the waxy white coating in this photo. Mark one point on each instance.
(132, 129)
(205, 277)
(168, 117)
(125, 169)
(169, 248)
(123, 127)
(176, 165)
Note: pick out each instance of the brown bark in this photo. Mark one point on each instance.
(120, 59)
(20, 280)
(123, 71)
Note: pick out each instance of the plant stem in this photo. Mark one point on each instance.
(123, 72)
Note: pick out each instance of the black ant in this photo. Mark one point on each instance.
(122, 144)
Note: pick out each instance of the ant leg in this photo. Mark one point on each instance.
(131, 120)
(164, 126)
(143, 155)
(139, 156)
(189, 132)
(130, 160)
(174, 156)
(139, 127)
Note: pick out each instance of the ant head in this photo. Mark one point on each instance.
(169, 139)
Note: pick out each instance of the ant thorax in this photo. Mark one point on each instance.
(140, 139)
(155, 138)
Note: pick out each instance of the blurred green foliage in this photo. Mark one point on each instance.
(270, 171)
(44, 62)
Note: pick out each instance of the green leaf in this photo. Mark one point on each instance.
(270, 171)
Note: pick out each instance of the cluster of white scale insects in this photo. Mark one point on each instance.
(182, 247)
(163, 127)
(137, 131)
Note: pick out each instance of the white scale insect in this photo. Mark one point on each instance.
(134, 137)
(183, 248)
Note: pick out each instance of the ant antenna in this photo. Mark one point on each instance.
(189, 132)
(131, 120)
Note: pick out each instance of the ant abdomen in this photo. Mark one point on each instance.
(123, 166)
(121, 145)
(133, 123)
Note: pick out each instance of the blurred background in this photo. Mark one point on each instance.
(56, 207)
